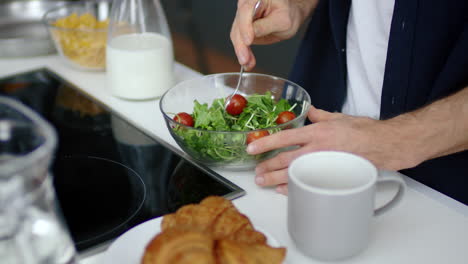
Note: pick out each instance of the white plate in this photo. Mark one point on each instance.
(130, 246)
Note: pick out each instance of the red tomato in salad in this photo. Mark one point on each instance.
(284, 117)
(184, 119)
(236, 105)
(251, 137)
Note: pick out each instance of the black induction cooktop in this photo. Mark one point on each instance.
(109, 176)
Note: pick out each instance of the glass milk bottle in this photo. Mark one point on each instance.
(139, 50)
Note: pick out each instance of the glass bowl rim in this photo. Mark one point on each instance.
(79, 4)
(303, 113)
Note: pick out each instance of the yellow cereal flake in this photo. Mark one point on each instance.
(79, 40)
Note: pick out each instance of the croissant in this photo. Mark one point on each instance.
(213, 231)
(180, 246)
(230, 252)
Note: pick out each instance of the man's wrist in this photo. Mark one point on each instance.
(408, 140)
(435, 130)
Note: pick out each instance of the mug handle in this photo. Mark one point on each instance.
(397, 198)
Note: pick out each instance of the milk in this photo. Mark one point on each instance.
(139, 66)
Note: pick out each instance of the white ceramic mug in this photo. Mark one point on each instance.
(331, 203)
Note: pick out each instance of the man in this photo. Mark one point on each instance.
(398, 72)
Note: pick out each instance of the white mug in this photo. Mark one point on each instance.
(331, 203)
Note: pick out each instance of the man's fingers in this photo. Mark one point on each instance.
(239, 28)
(251, 62)
(243, 52)
(272, 178)
(317, 115)
(285, 138)
(264, 27)
(279, 162)
(282, 188)
(245, 20)
(272, 24)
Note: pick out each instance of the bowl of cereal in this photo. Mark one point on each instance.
(79, 32)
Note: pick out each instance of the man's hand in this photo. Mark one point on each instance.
(404, 141)
(380, 142)
(280, 20)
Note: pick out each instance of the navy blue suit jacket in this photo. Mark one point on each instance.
(427, 59)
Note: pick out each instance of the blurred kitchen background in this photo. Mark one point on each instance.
(200, 32)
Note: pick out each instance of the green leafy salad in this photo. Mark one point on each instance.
(259, 112)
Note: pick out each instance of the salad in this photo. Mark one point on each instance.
(241, 114)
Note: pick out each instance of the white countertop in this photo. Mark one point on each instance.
(427, 227)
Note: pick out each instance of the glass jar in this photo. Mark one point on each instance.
(32, 229)
(139, 50)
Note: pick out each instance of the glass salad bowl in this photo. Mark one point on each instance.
(217, 138)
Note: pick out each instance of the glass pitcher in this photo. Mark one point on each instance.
(139, 53)
(32, 229)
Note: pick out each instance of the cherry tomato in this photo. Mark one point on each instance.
(236, 105)
(251, 137)
(284, 117)
(184, 119)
